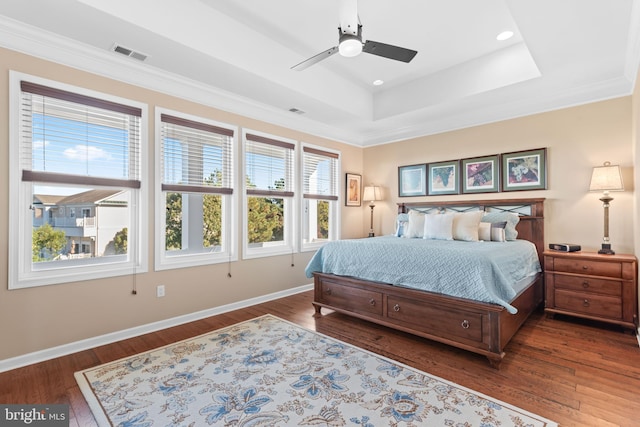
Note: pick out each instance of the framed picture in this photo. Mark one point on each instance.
(412, 180)
(524, 170)
(444, 178)
(353, 191)
(481, 174)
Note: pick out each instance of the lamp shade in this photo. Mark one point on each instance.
(606, 178)
(372, 193)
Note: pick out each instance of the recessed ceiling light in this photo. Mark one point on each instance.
(378, 82)
(505, 35)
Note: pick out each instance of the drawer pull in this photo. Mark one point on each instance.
(328, 291)
(585, 303)
(585, 284)
(372, 302)
(465, 324)
(585, 267)
(396, 307)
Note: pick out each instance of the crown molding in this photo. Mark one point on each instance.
(35, 42)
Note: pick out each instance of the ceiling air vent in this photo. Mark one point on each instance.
(295, 110)
(128, 52)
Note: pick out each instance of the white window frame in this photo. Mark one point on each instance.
(229, 203)
(334, 205)
(21, 273)
(289, 245)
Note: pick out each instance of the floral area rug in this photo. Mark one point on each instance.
(269, 372)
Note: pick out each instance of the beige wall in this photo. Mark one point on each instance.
(576, 139)
(43, 317)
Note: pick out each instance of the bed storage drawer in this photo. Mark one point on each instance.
(350, 298)
(441, 321)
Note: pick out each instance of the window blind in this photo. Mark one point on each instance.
(320, 175)
(69, 138)
(269, 166)
(196, 157)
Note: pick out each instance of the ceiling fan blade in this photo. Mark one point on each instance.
(315, 59)
(389, 51)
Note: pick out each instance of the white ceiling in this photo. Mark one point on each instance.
(237, 55)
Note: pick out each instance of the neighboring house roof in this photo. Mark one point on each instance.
(87, 197)
(46, 199)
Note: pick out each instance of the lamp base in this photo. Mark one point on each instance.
(606, 249)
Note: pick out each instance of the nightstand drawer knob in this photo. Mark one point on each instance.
(328, 291)
(396, 307)
(465, 324)
(585, 303)
(372, 302)
(585, 267)
(585, 284)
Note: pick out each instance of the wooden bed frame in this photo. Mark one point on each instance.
(479, 327)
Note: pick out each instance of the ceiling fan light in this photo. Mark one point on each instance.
(350, 46)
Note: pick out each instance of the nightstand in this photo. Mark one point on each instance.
(592, 286)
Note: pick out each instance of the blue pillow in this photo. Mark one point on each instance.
(402, 222)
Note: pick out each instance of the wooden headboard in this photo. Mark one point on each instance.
(531, 212)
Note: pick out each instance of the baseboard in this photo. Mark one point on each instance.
(74, 347)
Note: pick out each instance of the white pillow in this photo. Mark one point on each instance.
(438, 227)
(465, 226)
(492, 232)
(484, 231)
(416, 224)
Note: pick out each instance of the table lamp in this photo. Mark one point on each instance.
(606, 178)
(372, 193)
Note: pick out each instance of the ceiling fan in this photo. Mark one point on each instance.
(351, 44)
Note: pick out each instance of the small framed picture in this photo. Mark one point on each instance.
(444, 178)
(481, 174)
(524, 170)
(353, 191)
(412, 180)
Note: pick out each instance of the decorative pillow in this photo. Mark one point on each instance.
(439, 227)
(511, 218)
(465, 225)
(492, 231)
(484, 231)
(416, 224)
(402, 225)
(498, 234)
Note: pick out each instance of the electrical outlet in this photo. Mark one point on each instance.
(160, 291)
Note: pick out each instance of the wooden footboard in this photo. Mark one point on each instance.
(474, 326)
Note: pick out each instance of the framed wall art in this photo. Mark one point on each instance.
(443, 178)
(412, 180)
(524, 170)
(353, 191)
(481, 174)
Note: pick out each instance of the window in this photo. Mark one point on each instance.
(76, 173)
(269, 195)
(195, 195)
(320, 197)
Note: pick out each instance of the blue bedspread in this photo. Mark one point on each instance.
(480, 271)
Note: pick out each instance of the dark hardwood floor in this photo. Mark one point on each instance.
(572, 372)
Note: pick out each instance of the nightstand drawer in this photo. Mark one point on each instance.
(594, 268)
(593, 305)
(588, 284)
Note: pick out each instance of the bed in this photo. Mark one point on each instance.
(482, 323)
